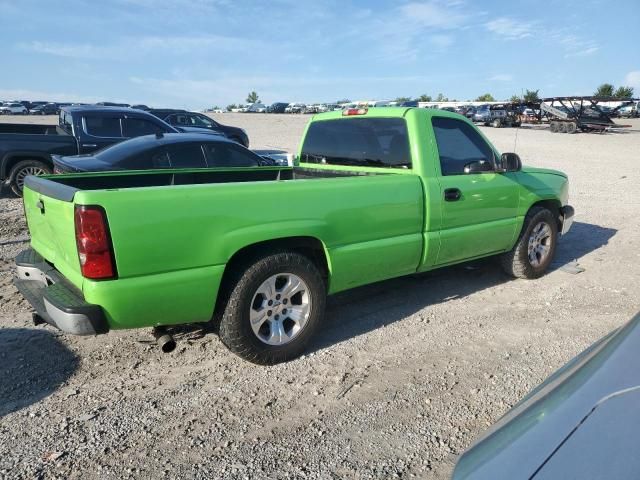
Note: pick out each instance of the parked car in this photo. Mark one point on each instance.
(26, 149)
(310, 109)
(502, 116)
(33, 105)
(580, 423)
(46, 109)
(13, 108)
(183, 118)
(259, 249)
(277, 107)
(257, 108)
(295, 108)
(470, 112)
(631, 109)
(171, 150)
(482, 114)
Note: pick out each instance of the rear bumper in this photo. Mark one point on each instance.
(567, 212)
(55, 300)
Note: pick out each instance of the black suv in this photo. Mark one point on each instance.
(184, 118)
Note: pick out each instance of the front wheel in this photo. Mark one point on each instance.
(274, 308)
(534, 251)
(24, 168)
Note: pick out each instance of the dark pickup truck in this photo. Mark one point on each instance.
(26, 149)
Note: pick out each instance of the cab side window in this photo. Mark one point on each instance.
(226, 154)
(459, 145)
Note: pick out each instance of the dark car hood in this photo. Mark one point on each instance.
(577, 409)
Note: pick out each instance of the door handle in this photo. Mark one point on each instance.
(90, 145)
(452, 194)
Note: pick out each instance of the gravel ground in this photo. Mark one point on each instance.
(401, 379)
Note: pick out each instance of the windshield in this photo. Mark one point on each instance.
(378, 142)
(201, 121)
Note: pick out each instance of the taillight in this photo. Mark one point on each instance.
(354, 111)
(94, 243)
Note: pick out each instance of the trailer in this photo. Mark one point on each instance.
(572, 114)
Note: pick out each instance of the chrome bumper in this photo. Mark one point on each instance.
(55, 300)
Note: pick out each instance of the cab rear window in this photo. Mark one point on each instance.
(375, 142)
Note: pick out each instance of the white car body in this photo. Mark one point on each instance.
(14, 109)
(257, 108)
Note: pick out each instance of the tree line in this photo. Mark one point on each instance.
(604, 90)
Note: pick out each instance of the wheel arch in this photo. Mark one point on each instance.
(553, 205)
(312, 247)
(10, 160)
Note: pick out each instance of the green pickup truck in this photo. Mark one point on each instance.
(376, 194)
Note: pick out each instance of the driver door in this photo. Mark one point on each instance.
(478, 210)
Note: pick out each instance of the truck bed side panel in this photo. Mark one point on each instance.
(371, 227)
(52, 229)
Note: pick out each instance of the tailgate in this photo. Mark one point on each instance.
(49, 210)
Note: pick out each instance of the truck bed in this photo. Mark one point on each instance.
(31, 129)
(64, 187)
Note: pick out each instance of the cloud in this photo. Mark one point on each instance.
(632, 79)
(233, 86)
(442, 41)
(22, 94)
(501, 77)
(69, 50)
(434, 14)
(513, 29)
(510, 28)
(129, 46)
(582, 52)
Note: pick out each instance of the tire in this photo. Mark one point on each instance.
(496, 123)
(571, 128)
(529, 258)
(554, 127)
(23, 168)
(259, 292)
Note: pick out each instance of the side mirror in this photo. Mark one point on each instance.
(478, 166)
(510, 162)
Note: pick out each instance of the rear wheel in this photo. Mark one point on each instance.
(571, 127)
(553, 126)
(274, 308)
(23, 169)
(496, 123)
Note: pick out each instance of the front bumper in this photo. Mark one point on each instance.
(567, 212)
(54, 299)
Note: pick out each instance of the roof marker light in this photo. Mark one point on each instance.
(354, 111)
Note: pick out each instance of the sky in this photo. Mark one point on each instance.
(201, 53)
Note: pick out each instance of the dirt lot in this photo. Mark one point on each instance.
(403, 376)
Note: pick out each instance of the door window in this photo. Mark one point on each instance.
(459, 144)
(186, 155)
(103, 126)
(136, 127)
